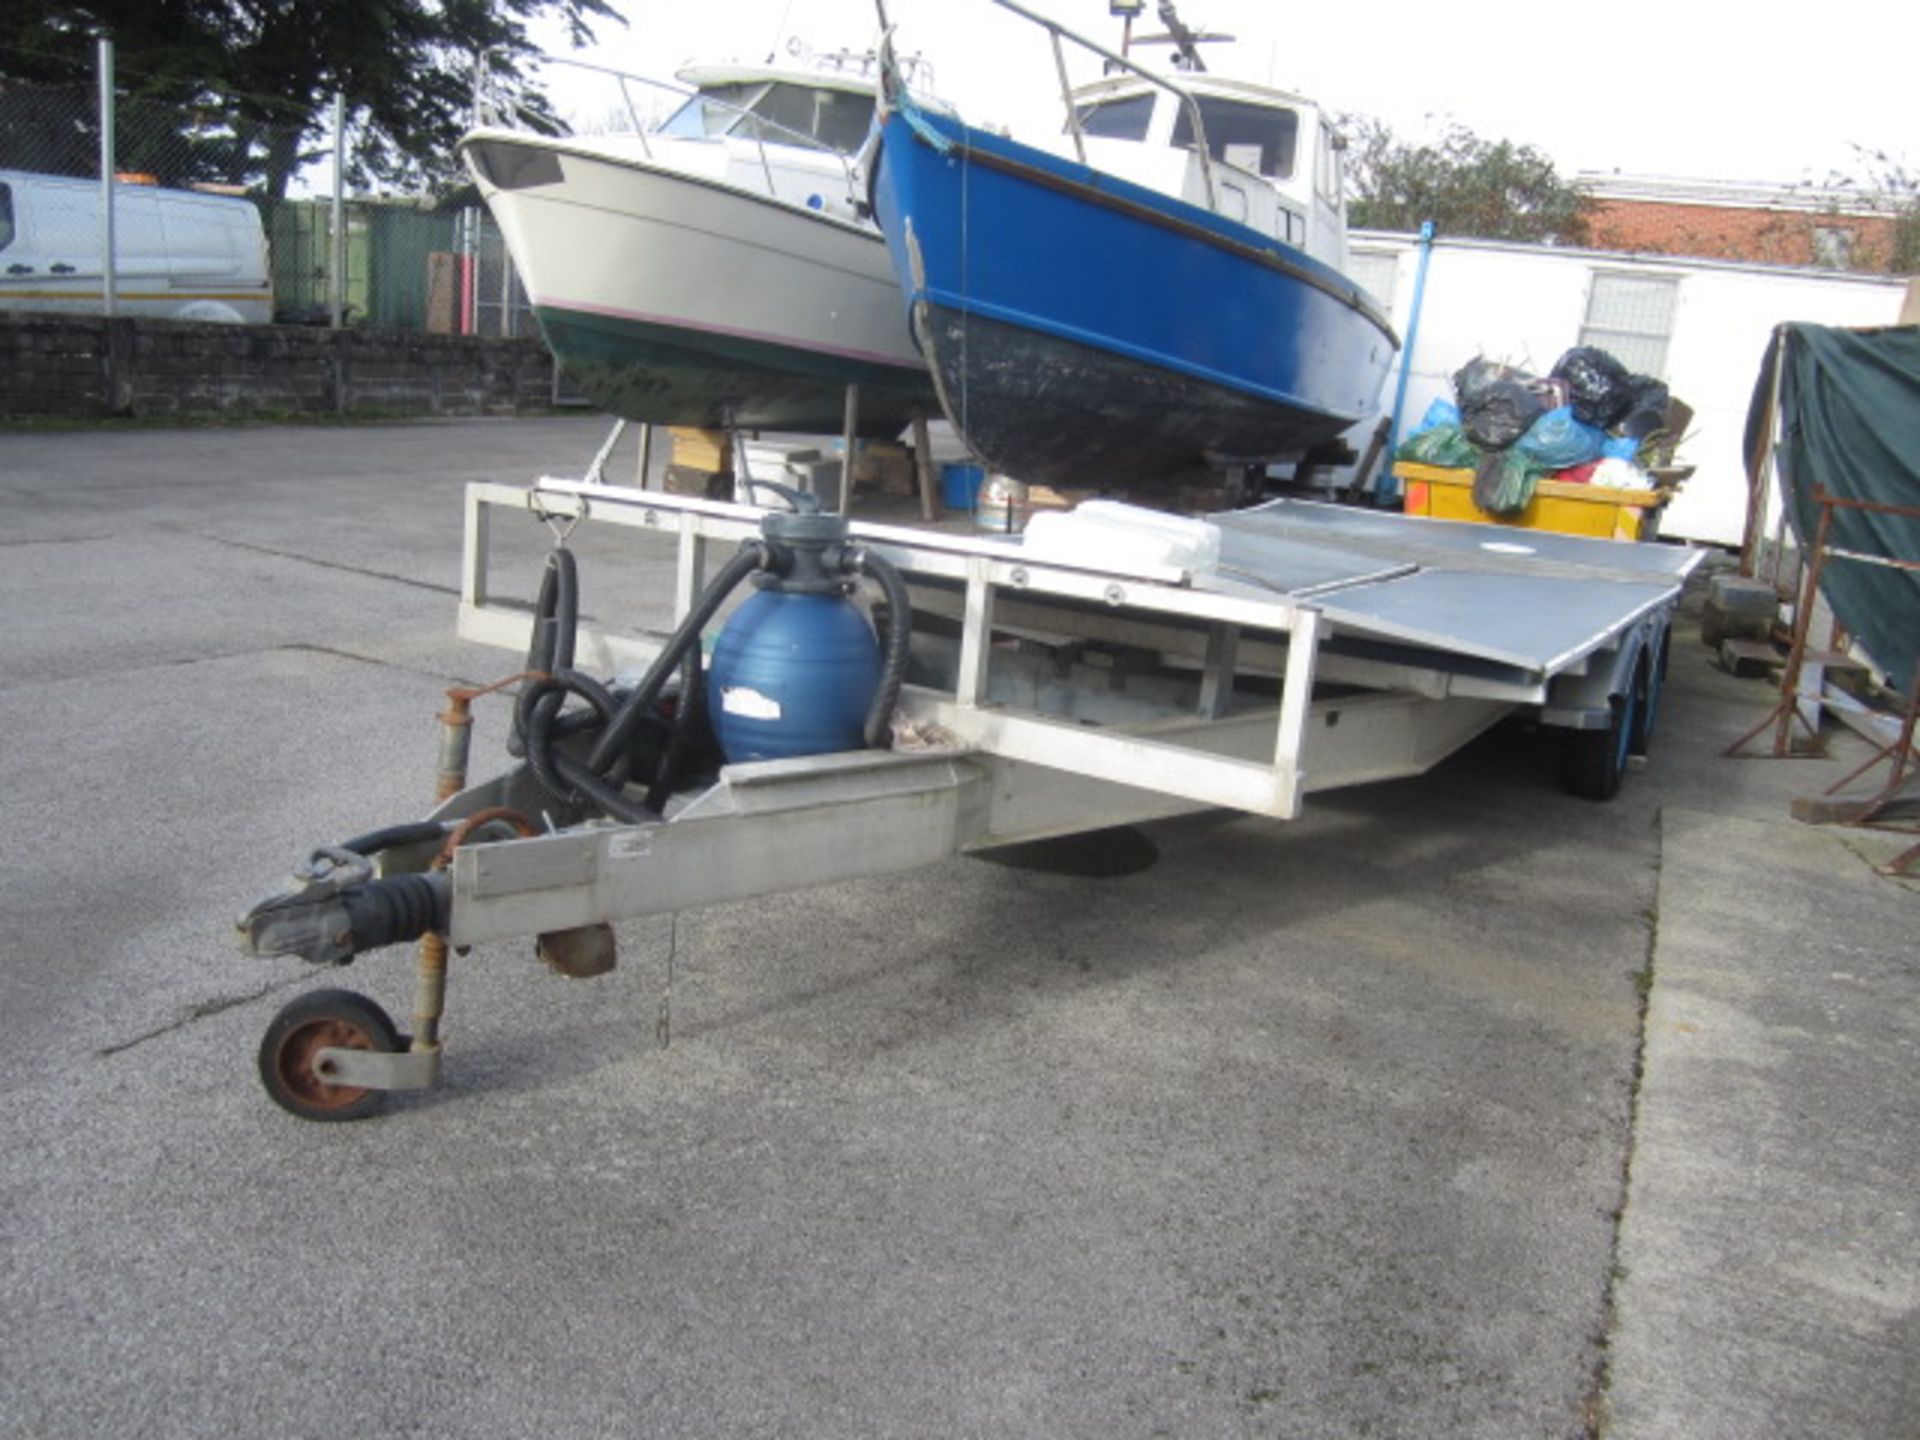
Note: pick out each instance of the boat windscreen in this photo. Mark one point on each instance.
(1124, 118)
(832, 119)
(1260, 138)
(714, 111)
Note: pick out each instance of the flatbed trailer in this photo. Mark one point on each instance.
(1329, 647)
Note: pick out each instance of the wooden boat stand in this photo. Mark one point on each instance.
(737, 441)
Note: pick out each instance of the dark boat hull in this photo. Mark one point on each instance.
(1060, 412)
(676, 376)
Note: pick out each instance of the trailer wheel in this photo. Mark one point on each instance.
(1649, 682)
(319, 1020)
(1594, 760)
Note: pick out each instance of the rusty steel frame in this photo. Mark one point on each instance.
(1783, 714)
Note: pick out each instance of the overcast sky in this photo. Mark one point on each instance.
(1753, 91)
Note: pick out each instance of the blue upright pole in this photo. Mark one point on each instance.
(1384, 486)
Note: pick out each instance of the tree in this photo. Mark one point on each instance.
(1886, 186)
(1466, 185)
(244, 87)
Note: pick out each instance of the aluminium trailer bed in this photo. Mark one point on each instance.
(1330, 647)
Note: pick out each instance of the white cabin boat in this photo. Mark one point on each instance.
(719, 269)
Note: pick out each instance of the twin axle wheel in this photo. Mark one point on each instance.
(1593, 761)
(291, 1066)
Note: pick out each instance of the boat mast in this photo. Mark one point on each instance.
(1186, 42)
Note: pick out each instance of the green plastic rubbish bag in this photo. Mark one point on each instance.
(1444, 445)
(1504, 481)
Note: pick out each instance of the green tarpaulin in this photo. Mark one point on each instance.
(1849, 425)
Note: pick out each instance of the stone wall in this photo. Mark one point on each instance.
(84, 366)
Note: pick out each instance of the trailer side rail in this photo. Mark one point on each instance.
(1271, 783)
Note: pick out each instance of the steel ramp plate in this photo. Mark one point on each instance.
(1297, 568)
(1533, 600)
(1457, 544)
(1537, 623)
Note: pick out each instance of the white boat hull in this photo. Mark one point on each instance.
(679, 299)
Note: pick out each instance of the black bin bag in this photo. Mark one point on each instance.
(1598, 386)
(1498, 403)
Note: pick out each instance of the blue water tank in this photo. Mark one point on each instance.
(793, 674)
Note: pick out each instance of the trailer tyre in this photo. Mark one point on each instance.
(1649, 681)
(323, 1019)
(1594, 760)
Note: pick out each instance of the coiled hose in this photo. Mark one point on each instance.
(611, 748)
(539, 724)
(597, 781)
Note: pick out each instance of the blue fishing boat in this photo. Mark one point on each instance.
(1154, 299)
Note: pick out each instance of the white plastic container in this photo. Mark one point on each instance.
(1109, 535)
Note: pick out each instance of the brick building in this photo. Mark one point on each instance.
(1722, 220)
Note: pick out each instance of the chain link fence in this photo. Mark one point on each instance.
(423, 262)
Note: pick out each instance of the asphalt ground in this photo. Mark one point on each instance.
(1456, 1108)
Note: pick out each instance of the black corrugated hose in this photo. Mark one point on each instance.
(539, 725)
(878, 730)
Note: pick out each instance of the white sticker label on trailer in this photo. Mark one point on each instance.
(748, 703)
(629, 844)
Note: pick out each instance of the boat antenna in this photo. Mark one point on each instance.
(778, 30)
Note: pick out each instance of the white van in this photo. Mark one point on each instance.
(178, 254)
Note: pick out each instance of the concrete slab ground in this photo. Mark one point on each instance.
(1770, 1255)
(1321, 1129)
